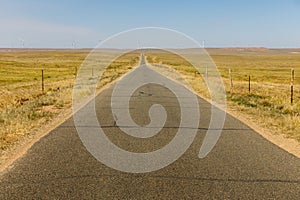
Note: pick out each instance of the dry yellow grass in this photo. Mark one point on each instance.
(268, 103)
(23, 106)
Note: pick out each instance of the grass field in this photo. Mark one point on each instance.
(268, 103)
(23, 106)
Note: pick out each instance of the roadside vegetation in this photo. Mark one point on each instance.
(268, 102)
(24, 108)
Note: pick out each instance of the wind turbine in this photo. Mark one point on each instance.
(74, 44)
(22, 41)
(138, 43)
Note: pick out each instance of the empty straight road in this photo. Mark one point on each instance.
(243, 165)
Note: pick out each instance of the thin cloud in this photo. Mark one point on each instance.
(26, 25)
(43, 34)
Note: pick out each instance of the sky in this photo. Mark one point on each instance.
(83, 24)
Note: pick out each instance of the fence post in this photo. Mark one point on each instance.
(75, 71)
(230, 75)
(292, 85)
(206, 73)
(249, 84)
(43, 89)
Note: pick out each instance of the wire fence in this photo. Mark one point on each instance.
(267, 83)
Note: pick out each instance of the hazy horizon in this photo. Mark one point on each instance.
(90, 48)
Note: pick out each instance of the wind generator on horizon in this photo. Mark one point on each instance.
(74, 44)
(22, 41)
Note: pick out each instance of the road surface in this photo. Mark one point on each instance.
(243, 165)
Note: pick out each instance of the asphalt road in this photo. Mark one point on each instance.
(243, 165)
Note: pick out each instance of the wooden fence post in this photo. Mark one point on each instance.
(292, 85)
(249, 84)
(43, 88)
(75, 71)
(206, 73)
(230, 75)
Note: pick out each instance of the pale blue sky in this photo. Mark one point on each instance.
(221, 23)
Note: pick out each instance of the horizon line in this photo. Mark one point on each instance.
(87, 48)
